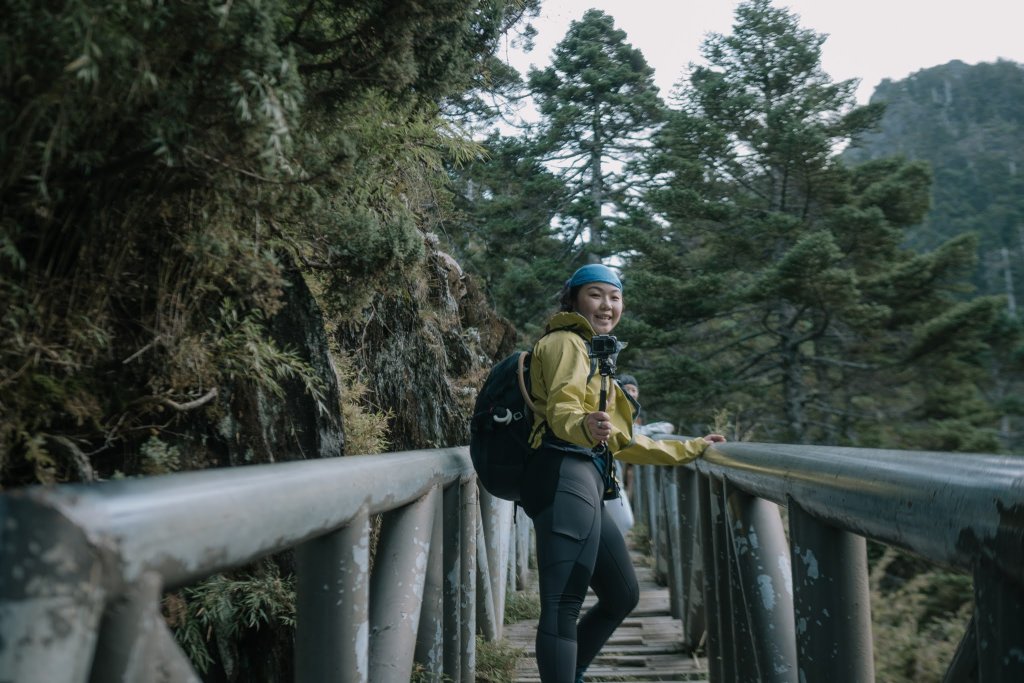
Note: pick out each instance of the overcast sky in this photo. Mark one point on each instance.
(868, 39)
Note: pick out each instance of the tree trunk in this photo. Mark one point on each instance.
(596, 191)
(794, 393)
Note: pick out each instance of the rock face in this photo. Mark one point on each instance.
(258, 427)
(425, 347)
(314, 429)
(250, 425)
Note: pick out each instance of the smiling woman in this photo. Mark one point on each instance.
(601, 305)
(582, 421)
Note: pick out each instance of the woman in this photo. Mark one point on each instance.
(577, 543)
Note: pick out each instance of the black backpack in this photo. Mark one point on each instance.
(499, 440)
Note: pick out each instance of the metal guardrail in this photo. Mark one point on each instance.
(83, 567)
(798, 609)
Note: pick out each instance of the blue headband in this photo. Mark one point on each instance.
(594, 272)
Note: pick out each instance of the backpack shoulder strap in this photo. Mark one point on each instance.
(521, 374)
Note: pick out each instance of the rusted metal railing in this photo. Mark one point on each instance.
(83, 567)
(798, 609)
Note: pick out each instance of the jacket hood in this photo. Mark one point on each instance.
(570, 320)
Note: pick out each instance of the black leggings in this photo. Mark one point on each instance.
(578, 545)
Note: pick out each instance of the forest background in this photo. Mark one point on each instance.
(245, 232)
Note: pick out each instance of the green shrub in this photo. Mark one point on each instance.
(214, 613)
(920, 614)
(495, 661)
(521, 606)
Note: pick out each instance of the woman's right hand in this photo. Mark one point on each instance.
(599, 424)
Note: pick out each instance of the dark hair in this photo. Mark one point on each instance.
(567, 298)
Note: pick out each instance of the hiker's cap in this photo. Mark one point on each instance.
(627, 379)
(594, 272)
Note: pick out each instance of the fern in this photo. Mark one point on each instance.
(219, 608)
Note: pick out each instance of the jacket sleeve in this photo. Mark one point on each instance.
(566, 367)
(630, 446)
(643, 450)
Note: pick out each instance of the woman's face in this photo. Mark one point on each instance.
(601, 304)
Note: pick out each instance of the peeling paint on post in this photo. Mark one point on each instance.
(52, 594)
(831, 601)
(760, 541)
(522, 531)
(469, 514)
(135, 643)
(486, 618)
(452, 569)
(397, 588)
(430, 636)
(692, 599)
(725, 657)
(332, 597)
(496, 522)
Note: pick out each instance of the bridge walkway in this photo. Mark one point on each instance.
(647, 647)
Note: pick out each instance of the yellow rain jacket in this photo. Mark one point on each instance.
(563, 396)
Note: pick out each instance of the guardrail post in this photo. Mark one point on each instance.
(640, 496)
(512, 570)
(651, 496)
(673, 543)
(430, 635)
(744, 658)
(692, 553)
(762, 556)
(522, 548)
(496, 520)
(452, 565)
(716, 593)
(999, 618)
(396, 588)
(51, 594)
(831, 601)
(135, 643)
(665, 525)
(964, 667)
(469, 514)
(333, 605)
(486, 618)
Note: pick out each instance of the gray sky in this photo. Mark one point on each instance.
(868, 39)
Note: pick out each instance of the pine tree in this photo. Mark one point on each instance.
(506, 203)
(779, 270)
(598, 104)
